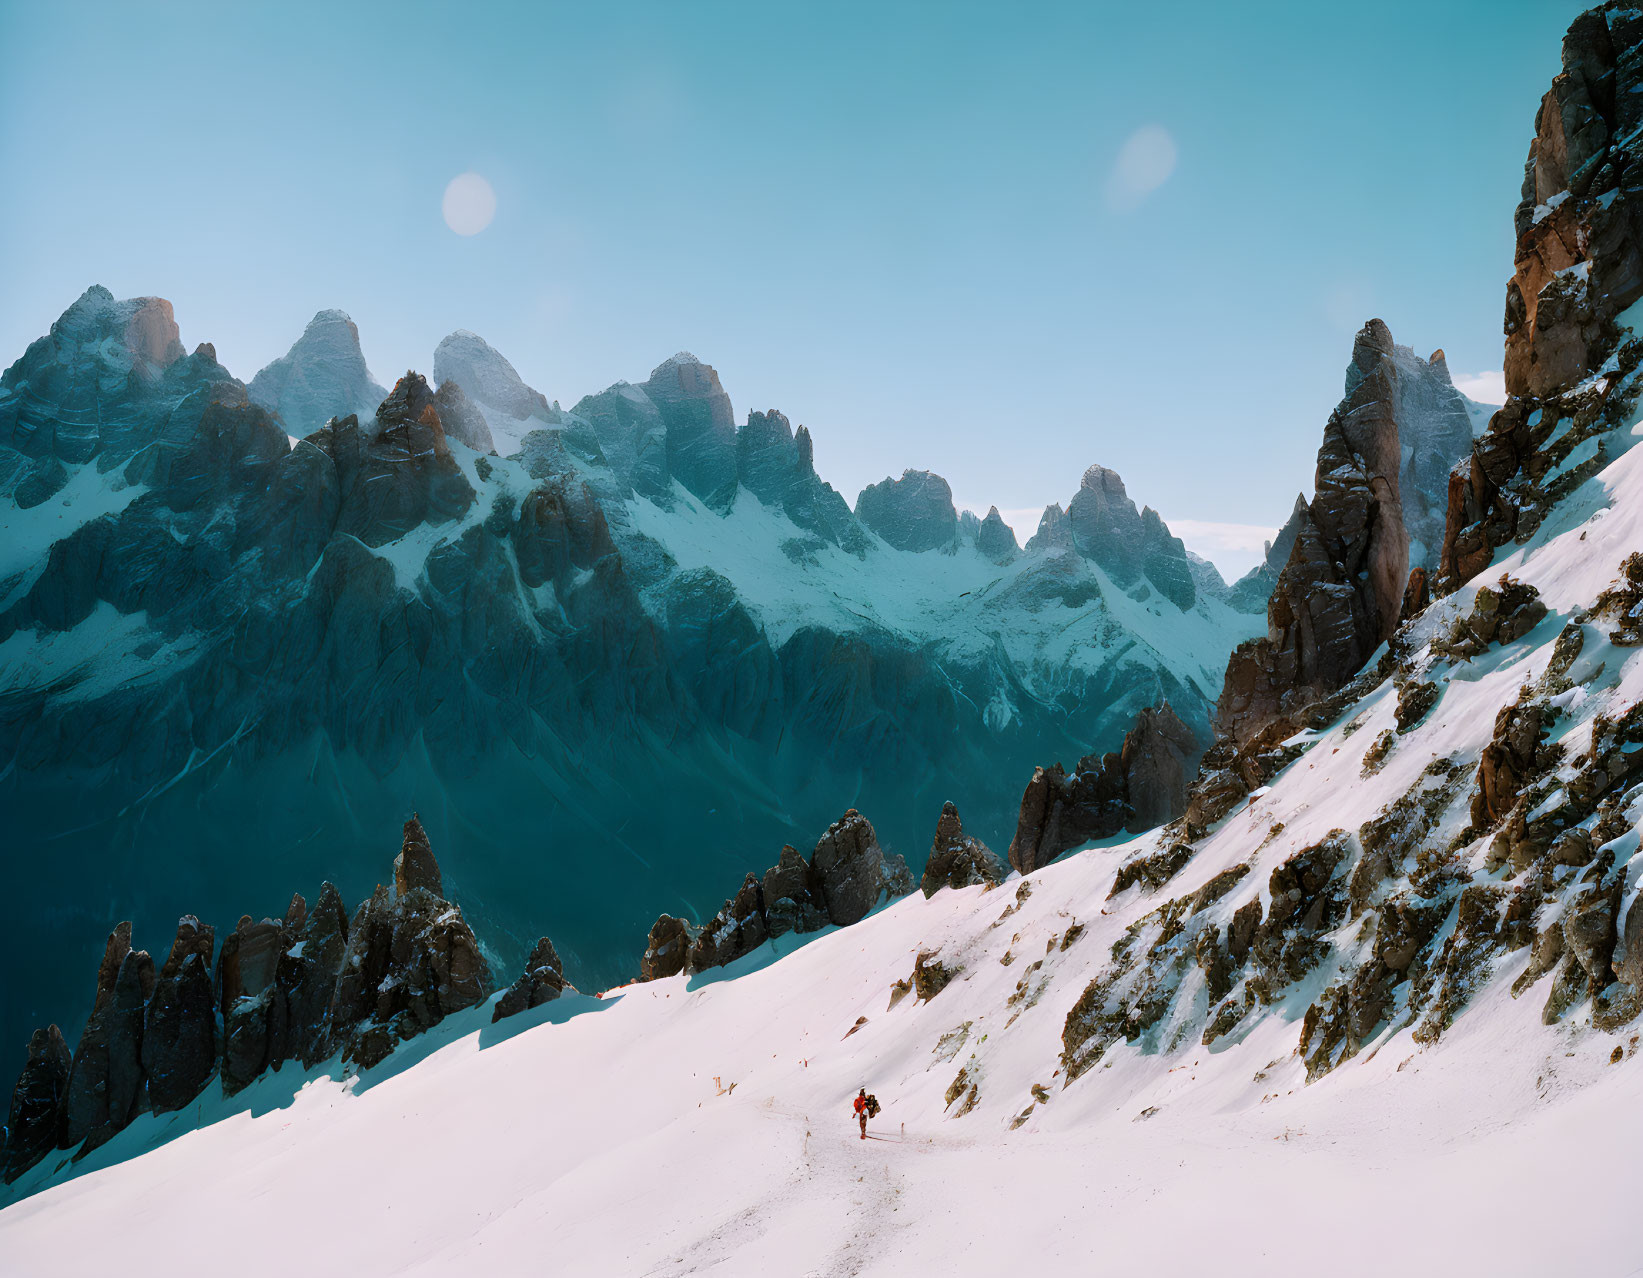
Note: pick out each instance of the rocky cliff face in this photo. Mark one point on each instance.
(1569, 335)
(509, 409)
(1137, 788)
(322, 376)
(847, 874)
(302, 988)
(1341, 589)
(915, 512)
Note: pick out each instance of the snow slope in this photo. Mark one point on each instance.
(702, 1125)
(593, 1139)
(960, 601)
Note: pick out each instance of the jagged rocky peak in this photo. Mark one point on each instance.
(1136, 788)
(144, 329)
(776, 464)
(510, 408)
(1127, 543)
(1251, 591)
(1054, 532)
(410, 961)
(323, 375)
(914, 513)
(462, 418)
(1579, 224)
(81, 389)
(845, 877)
(957, 859)
(34, 1125)
(1340, 593)
(1578, 271)
(1207, 580)
(1434, 433)
(995, 538)
(768, 459)
(542, 981)
(415, 866)
(296, 988)
(700, 424)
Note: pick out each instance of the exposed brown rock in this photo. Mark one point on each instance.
(542, 981)
(179, 1047)
(792, 895)
(850, 866)
(956, 859)
(415, 866)
(1341, 592)
(737, 929)
(1137, 788)
(35, 1124)
(1160, 757)
(1508, 761)
(667, 951)
(1579, 264)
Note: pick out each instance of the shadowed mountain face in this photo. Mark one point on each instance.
(613, 670)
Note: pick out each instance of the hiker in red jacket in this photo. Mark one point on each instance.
(861, 1111)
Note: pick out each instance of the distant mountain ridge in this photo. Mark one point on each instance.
(645, 612)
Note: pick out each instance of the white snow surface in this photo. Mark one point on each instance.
(26, 536)
(959, 600)
(604, 1136)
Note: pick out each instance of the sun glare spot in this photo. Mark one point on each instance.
(469, 204)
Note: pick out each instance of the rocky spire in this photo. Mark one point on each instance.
(322, 376)
(701, 429)
(35, 1124)
(995, 538)
(846, 876)
(1141, 786)
(542, 981)
(487, 377)
(956, 859)
(415, 866)
(913, 513)
(1341, 590)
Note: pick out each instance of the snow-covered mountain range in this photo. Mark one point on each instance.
(1405, 877)
(621, 663)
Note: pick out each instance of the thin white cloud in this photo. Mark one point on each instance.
(1144, 164)
(1486, 388)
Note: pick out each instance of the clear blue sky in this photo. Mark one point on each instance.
(897, 223)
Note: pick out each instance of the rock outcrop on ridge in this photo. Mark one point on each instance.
(301, 988)
(915, 512)
(1508, 851)
(1137, 788)
(503, 408)
(1578, 268)
(322, 376)
(542, 981)
(847, 874)
(1341, 590)
(956, 860)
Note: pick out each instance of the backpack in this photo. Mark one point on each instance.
(872, 1107)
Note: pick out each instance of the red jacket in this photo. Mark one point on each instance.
(861, 1104)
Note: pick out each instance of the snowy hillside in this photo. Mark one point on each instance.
(701, 1125)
